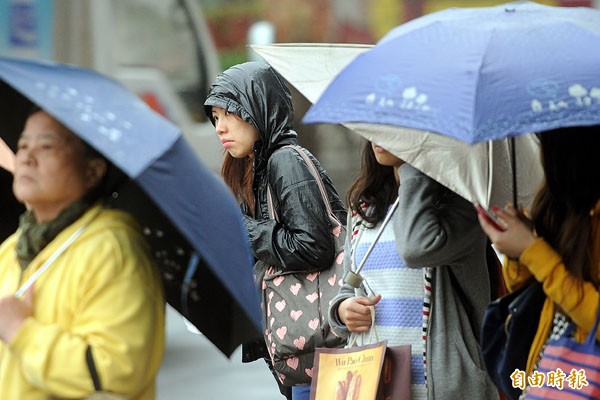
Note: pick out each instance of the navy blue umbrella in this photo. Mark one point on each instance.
(190, 218)
(475, 74)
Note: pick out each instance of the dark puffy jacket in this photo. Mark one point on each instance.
(303, 238)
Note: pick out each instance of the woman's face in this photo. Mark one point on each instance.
(51, 170)
(236, 135)
(385, 158)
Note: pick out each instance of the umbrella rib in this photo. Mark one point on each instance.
(187, 280)
(490, 177)
(513, 163)
(476, 87)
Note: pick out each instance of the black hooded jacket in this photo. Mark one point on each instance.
(303, 239)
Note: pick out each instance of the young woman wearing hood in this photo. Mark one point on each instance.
(251, 108)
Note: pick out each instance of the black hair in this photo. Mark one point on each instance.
(563, 208)
(374, 188)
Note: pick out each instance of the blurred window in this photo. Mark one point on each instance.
(159, 34)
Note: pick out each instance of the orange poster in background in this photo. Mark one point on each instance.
(347, 374)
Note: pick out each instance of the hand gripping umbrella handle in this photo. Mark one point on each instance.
(353, 278)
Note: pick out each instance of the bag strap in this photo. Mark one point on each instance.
(373, 331)
(315, 173)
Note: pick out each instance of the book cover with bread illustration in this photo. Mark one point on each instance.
(347, 373)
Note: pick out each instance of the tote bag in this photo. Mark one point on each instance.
(295, 304)
(568, 369)
(367, 372)
(350, 373)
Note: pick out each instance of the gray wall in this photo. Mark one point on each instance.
(336, 147)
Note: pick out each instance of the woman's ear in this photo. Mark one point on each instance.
(96, 169)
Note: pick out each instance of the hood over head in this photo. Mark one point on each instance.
(259, 95)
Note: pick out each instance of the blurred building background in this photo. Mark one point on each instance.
(335, 21)
(169, 51)
(343, 21)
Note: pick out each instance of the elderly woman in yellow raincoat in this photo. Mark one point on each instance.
(95, 319)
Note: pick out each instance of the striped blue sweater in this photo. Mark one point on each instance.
(399, 313)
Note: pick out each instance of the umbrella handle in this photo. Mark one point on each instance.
(513, 161)
(353, 279)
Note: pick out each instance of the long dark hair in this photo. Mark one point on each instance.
(374, 188)
(238, 174)
(562, 210)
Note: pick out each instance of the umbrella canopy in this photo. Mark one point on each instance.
(189, 217)
(479, 173)
(475, 74)
(310, 67)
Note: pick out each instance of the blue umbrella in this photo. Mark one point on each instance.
(475, 74)
(191, 220)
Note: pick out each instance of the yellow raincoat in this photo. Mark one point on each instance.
(103, 291)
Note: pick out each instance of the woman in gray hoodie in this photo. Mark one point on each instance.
(436, 232)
